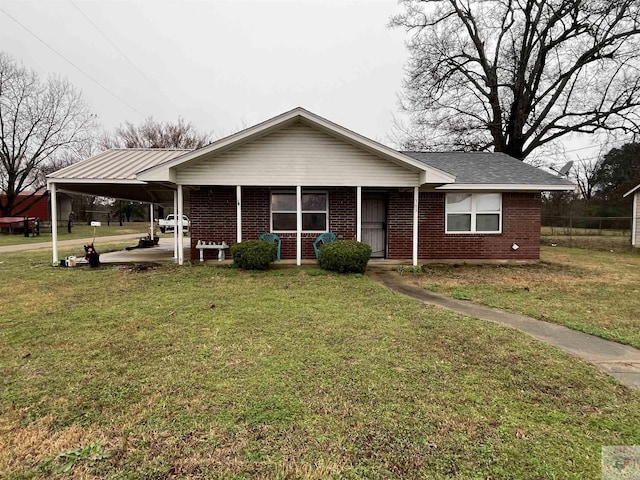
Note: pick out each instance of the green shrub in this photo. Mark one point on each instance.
(344, 256)
(254, 254)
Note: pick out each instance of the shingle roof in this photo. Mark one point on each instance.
(487, 168)
(117, 164)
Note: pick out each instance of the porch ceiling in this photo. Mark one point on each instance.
(136, 192)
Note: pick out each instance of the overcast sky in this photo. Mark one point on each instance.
(219, 64)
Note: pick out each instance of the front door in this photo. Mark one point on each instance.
(374, 223)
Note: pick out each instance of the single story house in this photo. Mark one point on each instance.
(299, 175)
(635, 224)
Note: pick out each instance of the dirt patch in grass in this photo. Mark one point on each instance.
(35, 445)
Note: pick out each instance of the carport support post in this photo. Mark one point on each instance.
(416, 198)
(298, 225)
(175, 227)
(238, 213)
(179, 227)
(54, 222)
(359, 214)
(151, 235)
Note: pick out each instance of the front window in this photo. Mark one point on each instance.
(474, 213)
(315, 212)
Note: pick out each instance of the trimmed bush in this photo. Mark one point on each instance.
(254, 254)
(344, 256)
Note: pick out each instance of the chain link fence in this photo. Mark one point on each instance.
(599, 233)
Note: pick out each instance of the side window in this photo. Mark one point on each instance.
(474, 213)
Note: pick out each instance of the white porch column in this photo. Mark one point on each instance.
(175, 227)
(238, 213)
(151, 235)
(416, 197)
(298, 225)
(180, 226)
(54, 222)
(359, 214)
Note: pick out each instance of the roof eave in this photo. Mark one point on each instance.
(508, 187)
(633, 190)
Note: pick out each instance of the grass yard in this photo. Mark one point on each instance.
(592, 291)
(79, 231)
(205, 372)
(589, 238)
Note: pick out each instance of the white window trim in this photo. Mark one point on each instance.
(326, 212)
(473, 214)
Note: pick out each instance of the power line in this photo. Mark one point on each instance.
(109, 91)
(141, 72)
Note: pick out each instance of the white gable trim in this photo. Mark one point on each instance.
(165, 171)
(631, 191)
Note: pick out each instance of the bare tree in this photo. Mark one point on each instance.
(153, 134)
(513, 75)
(37, 120)
(585, 174)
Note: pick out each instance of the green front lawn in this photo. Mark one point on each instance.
(209, 372)
(592, 291)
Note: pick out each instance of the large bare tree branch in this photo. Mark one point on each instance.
(527, 72)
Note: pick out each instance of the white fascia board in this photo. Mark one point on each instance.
(503, 187)
(112, 181)
(162, 172)
(631, 191)
(427, 173)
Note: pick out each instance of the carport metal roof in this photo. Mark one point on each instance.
(114, 173)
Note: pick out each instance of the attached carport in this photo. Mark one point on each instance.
(114, 174)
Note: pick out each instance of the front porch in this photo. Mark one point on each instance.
(164, 253)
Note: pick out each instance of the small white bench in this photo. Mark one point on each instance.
(202, 246)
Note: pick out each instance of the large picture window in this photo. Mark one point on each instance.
(474, 213)
(315, 212)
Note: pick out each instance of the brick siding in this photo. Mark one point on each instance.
(520, 224)
(213, 218)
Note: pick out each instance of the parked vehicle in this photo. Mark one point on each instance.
(169, 223)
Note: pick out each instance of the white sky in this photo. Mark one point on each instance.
(221, 65)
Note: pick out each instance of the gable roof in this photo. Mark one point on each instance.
(162, 172)
(482, 170)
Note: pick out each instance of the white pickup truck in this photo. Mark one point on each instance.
(169, 223)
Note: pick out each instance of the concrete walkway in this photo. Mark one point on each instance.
(615, 359)
(68, 243)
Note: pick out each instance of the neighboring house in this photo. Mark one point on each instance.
(635, 224)
(299, 175)
(36, 205)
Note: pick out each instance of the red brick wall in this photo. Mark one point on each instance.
(213, 218)
(520, 224)
(400, 225)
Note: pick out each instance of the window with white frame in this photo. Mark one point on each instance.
(474, 213)
(315, 212)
